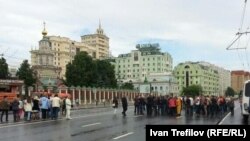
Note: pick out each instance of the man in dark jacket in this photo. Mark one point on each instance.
(4, 106)
(124, 105)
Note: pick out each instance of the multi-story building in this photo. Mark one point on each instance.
(138, 64)
(147, 63)
(238, 77)
(224, 77)
(13, 72)
(61, 50)
(195, 73)
(98, 40)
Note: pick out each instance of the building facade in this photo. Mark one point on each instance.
(195, 73)
(147, 64)
(224, 77)
(238, 78)
(137, 65)
(98, 40)
(59, 51)
(160, 83)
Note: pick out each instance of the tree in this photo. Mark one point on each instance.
(230, 91)
(105, 74)
(26, 74)
(3, 69)
(193, 90)
(127, 85)
(82, 71)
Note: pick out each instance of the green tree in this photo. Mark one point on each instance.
(3, 69)
(193, 90)
(82, 71)
(127, 85)
(26, 74)
(230, 91)
(105, 74)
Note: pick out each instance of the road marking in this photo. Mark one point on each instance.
(38, 122)
(91, 124)
(227, 116)
(116, 138)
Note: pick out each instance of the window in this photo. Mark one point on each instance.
(148, 64)
(153, 64)
(143, 59)
(136, 56)
(160, 87)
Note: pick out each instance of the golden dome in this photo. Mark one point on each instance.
(44, 32)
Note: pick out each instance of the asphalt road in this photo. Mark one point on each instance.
(236, 119)
(99, 125)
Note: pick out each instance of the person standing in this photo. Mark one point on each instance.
(124, 105)
(178, 106)
(44, 103)
(27, 108)
(68, 107)
(15, 108)
(55, 106)
(5, 108)
(115, 104)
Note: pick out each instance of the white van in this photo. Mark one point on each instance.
(245, 100)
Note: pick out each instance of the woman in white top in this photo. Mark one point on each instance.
(28, 108)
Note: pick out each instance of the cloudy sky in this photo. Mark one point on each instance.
(190, 30)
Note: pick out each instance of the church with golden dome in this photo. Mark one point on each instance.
(55, 52)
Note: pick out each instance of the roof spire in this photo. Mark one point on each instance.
(99, 30)
(100, 25)
(44, 32)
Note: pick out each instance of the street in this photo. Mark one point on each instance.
(100, 124)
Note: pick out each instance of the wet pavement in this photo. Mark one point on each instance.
(98, 125)
(236, 119)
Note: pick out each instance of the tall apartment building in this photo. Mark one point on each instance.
(98, 40)
(195, 73)
(137, 65)
(238, 77)
(59, 51)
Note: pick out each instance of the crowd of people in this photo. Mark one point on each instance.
(207, 106)
(30, 108)
(48, 107)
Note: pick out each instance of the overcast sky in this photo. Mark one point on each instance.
(190, 30)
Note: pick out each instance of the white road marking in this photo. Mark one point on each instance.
(38, 122)
(116, 138)
(227, 116)
(91, 124)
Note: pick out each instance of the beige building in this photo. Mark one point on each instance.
(238, 78)
(59, 51)
(98, 40)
